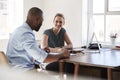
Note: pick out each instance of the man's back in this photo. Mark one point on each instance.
(16, 53)
(22, 48)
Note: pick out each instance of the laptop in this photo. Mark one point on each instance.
(94, 46)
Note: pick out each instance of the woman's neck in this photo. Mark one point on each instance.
(56, 30)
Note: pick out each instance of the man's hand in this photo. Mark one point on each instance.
(47, 50)
(65, 53)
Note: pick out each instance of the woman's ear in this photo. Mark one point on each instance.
(63, 23)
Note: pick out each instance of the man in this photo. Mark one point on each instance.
(22, 50)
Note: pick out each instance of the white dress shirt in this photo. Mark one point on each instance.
(22, 49)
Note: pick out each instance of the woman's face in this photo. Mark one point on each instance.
(59, 22)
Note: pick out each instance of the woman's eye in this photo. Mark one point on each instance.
(58, 21)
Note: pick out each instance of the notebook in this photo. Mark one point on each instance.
(76, 50)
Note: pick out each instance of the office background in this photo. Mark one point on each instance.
(83, 17)
(70, 8)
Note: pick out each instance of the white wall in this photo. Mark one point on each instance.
(15, 16)
(27, 4)
(72, 10)
(21, 16)
(3, 44)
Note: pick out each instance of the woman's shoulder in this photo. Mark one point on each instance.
(47, 31)
(63, 30)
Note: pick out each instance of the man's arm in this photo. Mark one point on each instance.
(52, 57)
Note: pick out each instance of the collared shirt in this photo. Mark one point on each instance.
(22, 49)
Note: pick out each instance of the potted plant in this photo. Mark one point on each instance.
(113, 37)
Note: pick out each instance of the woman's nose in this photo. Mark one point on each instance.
(58, 23)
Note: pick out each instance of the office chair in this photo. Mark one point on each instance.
(3, 58)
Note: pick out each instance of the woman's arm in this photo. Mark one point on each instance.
(68, 41)
(44, 43)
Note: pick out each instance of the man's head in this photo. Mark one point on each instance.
(35, 18)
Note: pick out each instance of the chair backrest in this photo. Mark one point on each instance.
(3, 58)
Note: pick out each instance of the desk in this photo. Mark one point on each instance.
(107, 58)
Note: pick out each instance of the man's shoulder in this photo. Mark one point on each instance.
(20, 31)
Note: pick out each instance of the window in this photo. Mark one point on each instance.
(114, 5)
(104, 15)
(11, 15)
(3, 17)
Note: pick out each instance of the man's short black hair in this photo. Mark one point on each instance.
(34, 11)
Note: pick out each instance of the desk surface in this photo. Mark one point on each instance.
(107, 58)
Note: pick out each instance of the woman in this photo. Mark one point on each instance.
(54, 39)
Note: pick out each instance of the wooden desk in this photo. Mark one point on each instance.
(107, 58)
